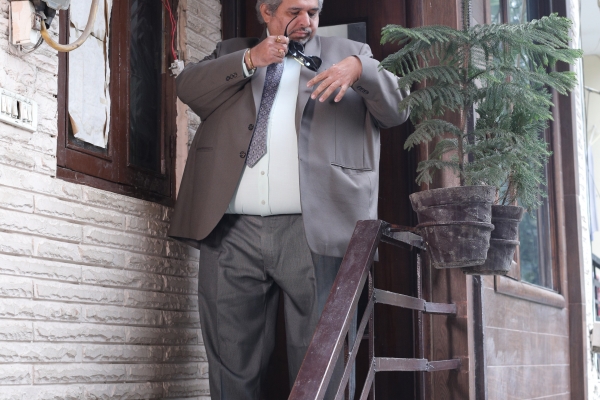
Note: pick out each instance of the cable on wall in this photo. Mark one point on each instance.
(167, 5)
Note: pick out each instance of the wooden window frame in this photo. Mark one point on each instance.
(512, 284)
(112, 171)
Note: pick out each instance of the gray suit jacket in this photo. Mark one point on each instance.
(338, 143)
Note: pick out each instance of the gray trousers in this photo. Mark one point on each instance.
(244, 263)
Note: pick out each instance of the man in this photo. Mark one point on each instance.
(282, 167)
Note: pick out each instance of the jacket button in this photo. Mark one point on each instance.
(242, 154)
(250, 127)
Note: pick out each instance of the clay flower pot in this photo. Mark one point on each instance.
(456, 224)
(503, 241)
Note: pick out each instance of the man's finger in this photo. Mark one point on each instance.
(323, 75)
(324, 85)
(341, 93)
(282, 39)
(330, 89)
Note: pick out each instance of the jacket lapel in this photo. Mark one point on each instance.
(312, 48)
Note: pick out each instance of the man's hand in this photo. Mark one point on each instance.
(271, 50)
(341, 75)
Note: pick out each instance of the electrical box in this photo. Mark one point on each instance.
(18, 110)
(22, 16)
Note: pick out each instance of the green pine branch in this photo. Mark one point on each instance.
(503, 74)
(428, 130)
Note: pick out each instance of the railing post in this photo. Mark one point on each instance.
(372, 330)
(420, 338)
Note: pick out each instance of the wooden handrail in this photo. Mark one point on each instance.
(327, 342)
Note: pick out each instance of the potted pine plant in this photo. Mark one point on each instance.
(511, 134)
(500, 74)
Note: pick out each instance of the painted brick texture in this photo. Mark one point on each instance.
(95, 301)
(200, 31)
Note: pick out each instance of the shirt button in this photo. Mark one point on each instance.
(242, 154)
(250, 127)
(262, 202)
(262, 172)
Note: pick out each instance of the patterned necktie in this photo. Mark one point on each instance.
(258, 144)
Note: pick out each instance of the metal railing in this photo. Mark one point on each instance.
(329, 337)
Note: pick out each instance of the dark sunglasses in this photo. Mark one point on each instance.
(296, 50)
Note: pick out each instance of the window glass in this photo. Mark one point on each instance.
(145, 86)
(89, 79)
(534, 249)
(517, 11)
(496, 11)
(529, 249)
(534, 231)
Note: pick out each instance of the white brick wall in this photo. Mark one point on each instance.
(95, 301)
(200, 33)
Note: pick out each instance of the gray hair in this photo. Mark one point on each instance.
(272, 6)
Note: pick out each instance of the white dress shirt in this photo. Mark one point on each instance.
(272, 185)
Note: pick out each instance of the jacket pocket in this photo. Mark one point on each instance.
(349, 170)
(350, 186)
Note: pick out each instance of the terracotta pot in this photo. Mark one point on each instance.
(503, 241)
(455, 224)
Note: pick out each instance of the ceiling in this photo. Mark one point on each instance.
(590, 26)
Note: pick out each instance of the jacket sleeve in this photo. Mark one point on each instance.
(379, 89)
(205, 85)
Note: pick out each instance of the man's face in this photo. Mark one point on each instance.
(303, 28)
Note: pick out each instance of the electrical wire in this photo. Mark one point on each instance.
(34, 48)
(64, 48)
(173, 28)
(167, 5)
